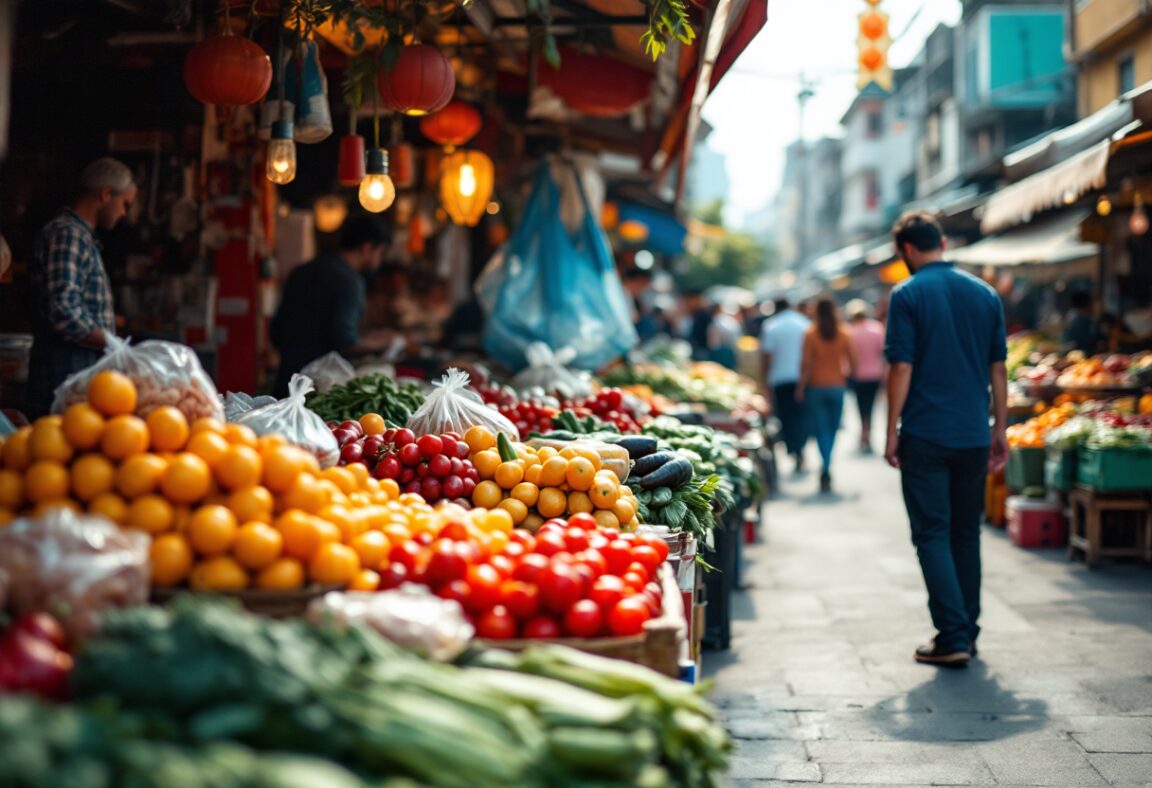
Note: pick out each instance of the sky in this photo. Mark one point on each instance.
(754, 110)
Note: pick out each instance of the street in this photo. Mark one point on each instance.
(820, 685)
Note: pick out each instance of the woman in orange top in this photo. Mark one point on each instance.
(829, 361)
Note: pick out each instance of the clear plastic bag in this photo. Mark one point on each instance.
(329, 370)
(291, 418)
(411, 616)
(453, 407)
(165, 373)
(547, 372)
(237, 403)
(73, 566)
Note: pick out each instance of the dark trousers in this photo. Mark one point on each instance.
(944, 494)
(793, 417)
(866, 391)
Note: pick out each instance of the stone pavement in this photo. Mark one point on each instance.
(820, 686)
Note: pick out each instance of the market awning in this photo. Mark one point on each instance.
(1052, 240)
(840, 262)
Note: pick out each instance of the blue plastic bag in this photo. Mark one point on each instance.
(552, 287)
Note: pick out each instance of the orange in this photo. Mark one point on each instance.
(221, 573)
(579, 502)
(552, 502)
(208, 446)
(580, 473)
(553, 472)
(47, 442)
(124, 436)
(15, 452)
(515, 508)
(527, 493)
(212, 529)
(181, 516)
(168, 428)
(151, 514)
(605, 491)
(206, 424)
(479, 439)
(590, 455)
(342, 518)
(44, 507)
(46, 481)
(240, 466)
(270, 441)
(486, 462)
(335, 564)
(509, 474)
(546, 453)
(606, 519)
(624, 509)
(373, 548)
(487, 495)
(532, 522)
(110, 505)
(359, 471)
(302, 533)
(83, 426)
(257, 545)
(532, 474)
(342, 477)
(495, 520)
(373, 424)
(283, 574)
(112, 393)
(307, 494)
(171, 559)
(92, 475)
(11, 490)
(186, 479)
(397, 532)
(390, 488)
(282, 464)
(241, 435)
(140, 474)
(365, 580)
(251, 503)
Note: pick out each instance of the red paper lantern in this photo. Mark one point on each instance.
(421, 82)
(873, 25)
(402, 165)
(350, 171)
(597, 85)
(454, 125)
(227, 69)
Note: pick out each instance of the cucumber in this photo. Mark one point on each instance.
(670, 474)
(504, 446)
(645, 465)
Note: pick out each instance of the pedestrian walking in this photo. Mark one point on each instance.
(828, 363)
(946, 349)
(868, 340)
(724, 334)
(782, 350)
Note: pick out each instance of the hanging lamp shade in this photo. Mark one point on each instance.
(454, 125)
(421, 81)
(350, 170)
(466, 186)
(403, 165)
(227, 69)
(597, 85)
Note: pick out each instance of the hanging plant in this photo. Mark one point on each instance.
(667, 20)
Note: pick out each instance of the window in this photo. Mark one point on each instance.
(874, 123)
(1126, 73)
(871, 190)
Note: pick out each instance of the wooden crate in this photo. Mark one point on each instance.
(1098, 516)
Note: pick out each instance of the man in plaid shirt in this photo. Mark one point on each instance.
(72, 299)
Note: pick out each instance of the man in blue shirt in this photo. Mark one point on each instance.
(946, 349)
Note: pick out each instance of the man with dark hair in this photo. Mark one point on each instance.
(1082, 332)
(781, 353)
(72, 312)
(946, 348)
(323, 300)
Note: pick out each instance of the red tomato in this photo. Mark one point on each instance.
(576, 539)
(430, 445)
(638, 568)
(530, 567)
(598, 541)
(403, 437)
(445, 564)
(406, 554)
(522, 599)
(542, 628)
(560, 587)
(551, 527)
(424, 538)
(392, 576)
(587, 577)
(410, 454)
(634, 581)
(496, 624)
(583, 521)
(618, 554)
(630, 538)
(549, 543)
(659, 545)
(458, 590)
(647, 555)
(456, 531)
(584, 619)
(607, 591)
(628, 617)
(520, 536)
(610, 533)
(484, 584)
(502, 564)
(593, 559)
(41, 626)
(515, 551)
(448, 446)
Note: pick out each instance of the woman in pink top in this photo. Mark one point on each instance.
(868, 339)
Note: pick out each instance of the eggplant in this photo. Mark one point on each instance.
(671, 474)
(645, 465)
(638, 446)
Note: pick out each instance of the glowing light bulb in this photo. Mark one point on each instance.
(1103, 205)
(377, 191)
(281, 164)
(467, 180)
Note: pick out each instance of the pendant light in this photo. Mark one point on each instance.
(1138, 222)
(377, 192)
(350, 169)
(280, 164)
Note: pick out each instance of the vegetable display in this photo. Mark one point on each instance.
(396, 402)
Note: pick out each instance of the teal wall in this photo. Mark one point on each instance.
(1026, 56)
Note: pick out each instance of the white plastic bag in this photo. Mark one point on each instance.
(237, 403)
(546, 371)
(165, 373)
(453, 407)
(291, 418)
(329, 370)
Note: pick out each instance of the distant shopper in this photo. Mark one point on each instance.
(782, 349)
(323, 300)
(724, 334)
(868, 340)
(946, 350)
(638, 284)
(829, 361)
(72, 312)
(1082, 332)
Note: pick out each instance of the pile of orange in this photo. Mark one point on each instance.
(544, 483)
(1031, 434)
(226, 510)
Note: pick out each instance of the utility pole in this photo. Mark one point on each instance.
(806, 93)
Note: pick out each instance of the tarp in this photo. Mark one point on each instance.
(1051, 240)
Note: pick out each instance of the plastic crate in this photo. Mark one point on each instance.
(1025, 468)
(1107, 470)
(1035, 523)
(1060, 469)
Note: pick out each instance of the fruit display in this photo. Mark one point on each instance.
(34, 657)
(1098, 372)
(704, 383)
(535, 412)
(529, 412)
(1032, 433)
(396, 402)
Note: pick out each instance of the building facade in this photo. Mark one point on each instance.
(1111, 44)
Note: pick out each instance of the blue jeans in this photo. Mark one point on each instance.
(825, 407)
(944, 494)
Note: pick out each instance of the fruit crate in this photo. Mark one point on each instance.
(1060, 466)
(1110, 470)
(265, 602)
(660, 647)
(1025, 468)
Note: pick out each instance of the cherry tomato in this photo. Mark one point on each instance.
(607, 591)
(496, 624)
(575, 539)
(647, 555)
(452, 487)
(587, 577)
(445, 564)
(634, 581)
(530, 567)
(388, 468)
(457, 590)
(430, 445)
(515, 551)
(484, 582)
(455, 530)
(618, 554)
(431, 489)
(628, 617)
(598, 541)
(583, 521)
(407, 554)
(502, 564)
(584, 619)
(542, 628)
(522, 599)
(410, 454)
(525, 538)
(448, 447)
(393, 576)
(549, 543)
(638, 568)
(593, 559)
(560, 587)
(403, 437)
(439, 465)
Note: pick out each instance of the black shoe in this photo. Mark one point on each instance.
(929, 654)
(825, 482)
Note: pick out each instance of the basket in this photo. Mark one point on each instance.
(1111, 470)
(265, 602)
(1025, 468)
(658, 647)
(1060, 468)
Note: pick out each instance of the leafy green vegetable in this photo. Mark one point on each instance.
(368, 394)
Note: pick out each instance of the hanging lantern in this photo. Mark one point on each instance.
(329, 212)
(610, 216)
(350, 170)
(403, 165)
(466, 186)
(227, 69)
(597, 85)
(415, 246)
(421, 81)
(453, 126)
(873, 25)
